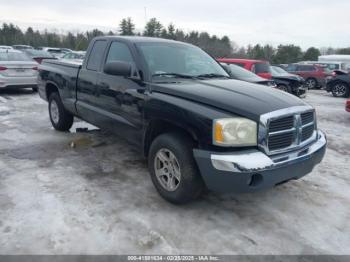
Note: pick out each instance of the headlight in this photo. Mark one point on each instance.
(234, 132)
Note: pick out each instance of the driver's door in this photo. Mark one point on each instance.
(121, 99)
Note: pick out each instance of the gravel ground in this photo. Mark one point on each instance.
(97, 198)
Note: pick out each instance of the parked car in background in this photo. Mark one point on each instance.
(328, 65)
(347, 105)
(38, 55)
(75, 55)
(243, 74)
(315, 76)
(6, 47)
(339, 84)
(17, 70)
(55, 51)
(66, 50)
(22, 47)
(259, 67)
(290, 83)
(199, 128)
(336, 58)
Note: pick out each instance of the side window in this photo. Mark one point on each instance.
(119, 52)
(96, 55)
(299, 68)
(292, 68)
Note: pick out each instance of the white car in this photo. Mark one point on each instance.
(17, 70)
(6, 47)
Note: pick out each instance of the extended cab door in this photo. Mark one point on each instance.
(87, 103)
(121, 99)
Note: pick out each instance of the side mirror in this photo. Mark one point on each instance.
(118, 68)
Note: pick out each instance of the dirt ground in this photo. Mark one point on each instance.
(97, 197)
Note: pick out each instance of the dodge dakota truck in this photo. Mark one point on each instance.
(198, 128)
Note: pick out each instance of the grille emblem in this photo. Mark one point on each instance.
(299, 128)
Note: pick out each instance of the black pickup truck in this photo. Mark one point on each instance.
(199, 128)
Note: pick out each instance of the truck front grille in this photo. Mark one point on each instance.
(289, 131)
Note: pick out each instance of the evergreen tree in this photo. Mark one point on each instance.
(153, 28)
(127, 27)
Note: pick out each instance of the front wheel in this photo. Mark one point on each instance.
(173, 170)
(60, 118)
(284, 88)
(311, 83)
(340, 90)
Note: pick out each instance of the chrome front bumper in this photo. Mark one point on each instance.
(256, 161)
(253, 170)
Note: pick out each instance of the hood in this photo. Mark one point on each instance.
(234, 96)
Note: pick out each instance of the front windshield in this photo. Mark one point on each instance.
(278, 71)
(178, 59)
(241, 73)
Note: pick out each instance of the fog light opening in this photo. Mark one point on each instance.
(255, 180)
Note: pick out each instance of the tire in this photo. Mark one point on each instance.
(60, 118)
(186, 184)
(35, 89)
(340, 89)
(311, 83)
(284, 88)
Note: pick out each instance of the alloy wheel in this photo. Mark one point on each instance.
(54, 112)
(339, 90)
(167, 169)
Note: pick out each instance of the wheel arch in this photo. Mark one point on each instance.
(50, 88)
(157, 127)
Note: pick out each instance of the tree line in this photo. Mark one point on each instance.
(216, 46)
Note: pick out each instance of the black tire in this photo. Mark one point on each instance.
(340, 89)
(284, 88)
(311, 83)
(35, 89)
(60, 119)
(191, 184)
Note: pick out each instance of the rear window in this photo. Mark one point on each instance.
(96, 55)
(11, 56)
(261, 68)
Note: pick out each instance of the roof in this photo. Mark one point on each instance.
(141, 39)
(240, 60)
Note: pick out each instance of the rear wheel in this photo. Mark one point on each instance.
(173, 170)
(340, 89)
(60, 118)
(311, 83)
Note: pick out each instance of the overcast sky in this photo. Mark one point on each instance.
(306, 23)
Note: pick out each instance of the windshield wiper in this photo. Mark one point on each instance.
(174, 75)
(212, 75)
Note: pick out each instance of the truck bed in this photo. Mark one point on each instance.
(65, 74)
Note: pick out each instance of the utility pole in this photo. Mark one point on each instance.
(145, 8)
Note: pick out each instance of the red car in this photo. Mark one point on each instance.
(347, 105)
(259, 67)
(315, 76)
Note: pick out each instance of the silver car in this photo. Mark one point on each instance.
(17, 70)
